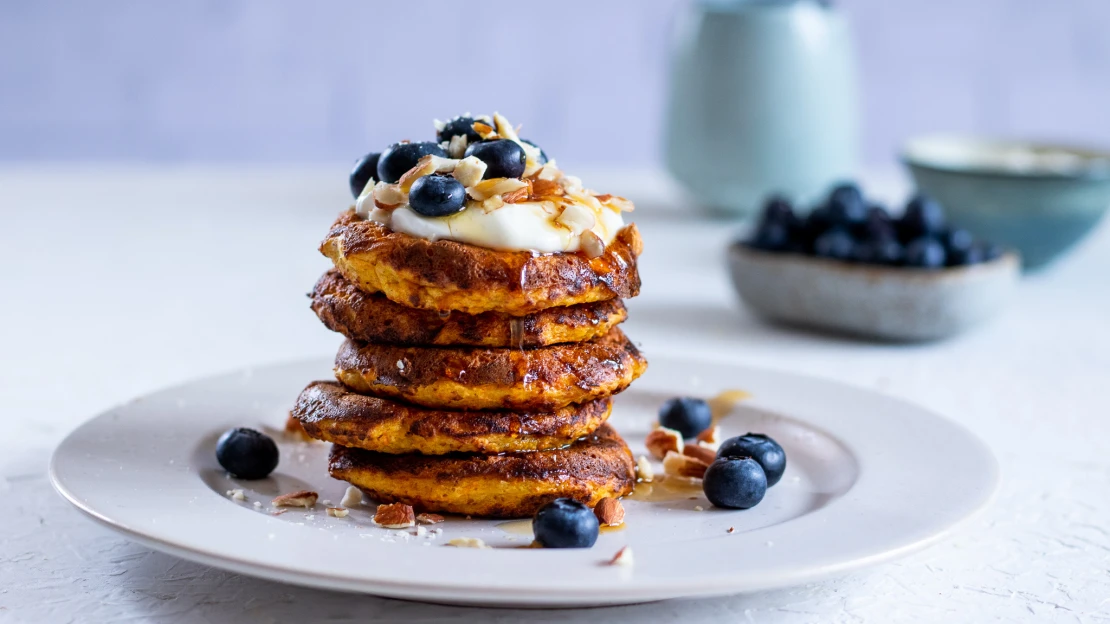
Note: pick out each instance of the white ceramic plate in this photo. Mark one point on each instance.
(869, 478)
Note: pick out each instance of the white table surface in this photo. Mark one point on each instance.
(117, 282)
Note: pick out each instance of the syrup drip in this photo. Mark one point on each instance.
(516, 331)
(664, 489)
(723, 403)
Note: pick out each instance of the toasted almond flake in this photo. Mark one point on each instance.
(504, 129)
(495, 186)
(662, 440)
(609, 512)
(237, 495)
(675, 464)
(457, 146)
(591, 244)
(710, 438)
(723, 403)
(429, 518)
(571, 183)
(440, 125)
(352, 497)
(577, 218)
(469, 171)
(425, 166)
(467, 542)
(484, 130)
(493, 203)
(550, 172)
(395, 516)
(699, 452)
(622, 558)
(337, 512)
(545, 188)
(620, 203)
(301, 498)
(518, 195)
(389, 195)
(644, 470)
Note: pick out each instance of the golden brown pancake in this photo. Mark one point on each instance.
(446, 275)
(467, 378)
(511, 485)
(330, 412)
(374, 318)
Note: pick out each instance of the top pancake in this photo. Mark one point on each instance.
(445, 275)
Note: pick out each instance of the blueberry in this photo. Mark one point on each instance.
(400, 157)
(777, 210)
(459, 125)
(503, 158)
(879, 225)
(991, 251)
(965, 257)
(565, 523)
(923, 216)
(817, 222)
(437, 196)
(846, 205)
(246, 453)
(771, 236)
(836, 243)
(365, 168)
(958, 245)
(686, 415)
(543, 155)
(925, 252)
(762, 449)
(886, 251)
(735, 482)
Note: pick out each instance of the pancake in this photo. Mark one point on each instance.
(374, 318)
(446, 275)
(511, 485)
(328, 411)
(465, 378)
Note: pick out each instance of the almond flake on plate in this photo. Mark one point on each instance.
(644, 470)
(429, 518)
(703, 453)
(622, 558)
(467, 542)
(302, 498)
(662, 441)
(609, 512)
(395, 516)
(352, 497)
(678, 465)
(338, 512)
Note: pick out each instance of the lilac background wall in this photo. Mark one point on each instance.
(276, 81)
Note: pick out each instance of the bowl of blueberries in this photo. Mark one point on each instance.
(850, 266)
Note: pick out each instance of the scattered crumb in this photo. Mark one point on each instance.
(257, 504)
(699, 508)
(352, 497)
(622, 558)
(303, 498)
(337, 512)
(429, 518)
(467, 542)
(237, 495)
(731, 530)
(420, 531)
(327, 503)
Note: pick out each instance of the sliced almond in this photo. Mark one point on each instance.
(644, 471)
(484, 130)
(710, 438)
(469, 171)
(395, 516)
(495, 186)
(545, 188)
(389, 195)
(457, 147)
(520, 194)
(577, 218)
(591, 244)
(337, 512)
(493, 203)
(622, 558)
(505, 130)
(678, 465)
(609, 512)
(550, 172)
(699, 452)
(663, 440)
(302, 498)
(423, 167)
(429, 518)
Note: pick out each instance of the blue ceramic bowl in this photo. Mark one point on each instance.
(1039, 199)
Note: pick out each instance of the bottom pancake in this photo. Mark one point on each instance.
(330, 412)
(511, 485)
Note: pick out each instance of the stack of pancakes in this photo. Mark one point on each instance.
(473, 381)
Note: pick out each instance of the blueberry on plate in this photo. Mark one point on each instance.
(459, 125)
(762, 449)
(364, 169)
(543, 155)
(400, 157)
(246, 453)
(836, 243)
(503, 158)
(817, 222)
(879, 225)
(735, 482)
(565, 523)
(771, 236)
(887, 252)
(686, 415)
(926, 252)
(923, 216)
(437, 196)
(846, 206)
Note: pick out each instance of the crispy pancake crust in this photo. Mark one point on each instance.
(464, 378)
(446, 275)
(511, 485)
(346, 309)
(330, 412)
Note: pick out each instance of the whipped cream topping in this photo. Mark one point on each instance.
(545, 212)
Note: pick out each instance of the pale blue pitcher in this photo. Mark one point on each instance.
(762, 100)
